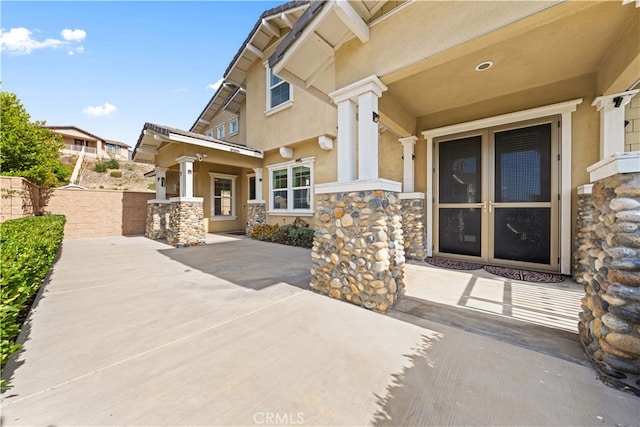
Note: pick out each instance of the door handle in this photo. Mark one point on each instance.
(490, 206)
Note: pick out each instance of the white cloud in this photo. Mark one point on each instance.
(215, 85)
(100, 110)
(73, 35)
(18, 41)
(79, 49)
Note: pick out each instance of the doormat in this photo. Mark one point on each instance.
(453, 264)
(526, 275)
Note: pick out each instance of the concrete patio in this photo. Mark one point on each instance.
(130, 331)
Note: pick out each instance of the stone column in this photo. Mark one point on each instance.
(358, 250)
(256, 215)
(412, 213)
(157, 219)
(186, 227)
(584, 236)
(610, 322)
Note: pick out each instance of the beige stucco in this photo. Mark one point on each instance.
(308, 117)
(223, 119)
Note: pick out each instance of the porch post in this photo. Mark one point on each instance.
(258, 172)
(161, 183)
(611, 109)
(367, 136)
(186, 175)
(346, 140)
(408, 163)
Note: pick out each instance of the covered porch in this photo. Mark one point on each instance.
(202, 184)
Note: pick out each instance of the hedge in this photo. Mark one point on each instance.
(28, 247)
(288, 234)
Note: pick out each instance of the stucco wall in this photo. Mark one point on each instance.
(308, 117)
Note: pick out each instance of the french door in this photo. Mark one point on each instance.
(496, 195)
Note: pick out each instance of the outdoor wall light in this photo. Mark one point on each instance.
(617, 101)
(376, 117)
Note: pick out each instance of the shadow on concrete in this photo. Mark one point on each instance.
(557, 343)
(248, 263)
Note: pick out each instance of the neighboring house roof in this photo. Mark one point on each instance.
(251, 49)
(72, 131)
(118, 143)
(153, 136)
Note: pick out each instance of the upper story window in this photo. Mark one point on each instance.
(279, 92)
(220, 131)
(291, 187)
(233, 126)
(209, 132)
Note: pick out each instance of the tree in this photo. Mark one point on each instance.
(26, 148)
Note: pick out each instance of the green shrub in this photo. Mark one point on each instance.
(100, 167)
(112, 164)
(116, 174)
(287, 234)
(28, 247)
(264, 232)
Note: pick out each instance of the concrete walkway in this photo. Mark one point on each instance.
(134, 332)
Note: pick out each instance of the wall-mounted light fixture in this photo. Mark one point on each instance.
(376, 117)
(617, 101)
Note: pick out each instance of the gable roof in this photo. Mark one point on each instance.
(267, 27)
(73, 131)
(153, 136)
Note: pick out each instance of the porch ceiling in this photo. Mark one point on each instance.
(554, 51)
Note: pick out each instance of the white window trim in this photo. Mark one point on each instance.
(307, 161)
(233, 179)
(220, 131)
(272, 110)
(231, 132)
(249, 176)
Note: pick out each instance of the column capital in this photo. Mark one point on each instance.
(352, 91)
(185, 159)
(609, 101)
(408, 140)
(257, 170)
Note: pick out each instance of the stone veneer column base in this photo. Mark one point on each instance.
(256, 215)
(412, 213)
(157, 219)
(186, 227)
(609, 257)
(358, 249)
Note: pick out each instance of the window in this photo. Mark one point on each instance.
(291, 187)
(278, 91)
(252, 186)
(112, 148)
(233, 126)
(220, 131)
(223, 204)
(209, 132)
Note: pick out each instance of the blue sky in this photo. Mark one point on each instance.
(109, 67)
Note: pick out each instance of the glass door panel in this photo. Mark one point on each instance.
(520, 209)
(460, 196)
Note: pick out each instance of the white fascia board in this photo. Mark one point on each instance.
(352, 20)
(215, 145)
(306, 33)
(518, 116)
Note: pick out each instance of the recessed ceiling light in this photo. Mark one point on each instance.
(484, 65)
